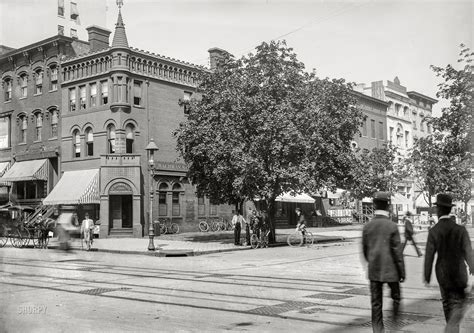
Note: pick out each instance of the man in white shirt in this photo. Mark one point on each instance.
(86, 227)
(237, 221)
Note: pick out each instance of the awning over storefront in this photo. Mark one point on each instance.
(74, 188)
(301, 198)
(27, 170)
(3, 167)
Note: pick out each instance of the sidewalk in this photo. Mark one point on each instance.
(199, 243)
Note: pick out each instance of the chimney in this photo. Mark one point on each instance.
(217, 56)
(98, 37)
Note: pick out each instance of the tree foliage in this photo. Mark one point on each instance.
(375, 170)
(441, 162)
(263, 126)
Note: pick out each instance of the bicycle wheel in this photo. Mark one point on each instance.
(221, 226)
(15, 239)
(295, 239)
(213, 226)
(3, 236)
(203, 226)
(163, 229)
(254, 241)
(309, 238)
(174, 228)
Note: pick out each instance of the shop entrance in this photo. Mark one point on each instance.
(120, 211)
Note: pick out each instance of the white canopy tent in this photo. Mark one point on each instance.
(300, 198)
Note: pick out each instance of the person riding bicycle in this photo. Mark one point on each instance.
(86, 228)
(301, 223)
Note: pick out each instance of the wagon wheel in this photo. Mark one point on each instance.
(25, 237)
(37, 238)
(15, 239)
(3, 236)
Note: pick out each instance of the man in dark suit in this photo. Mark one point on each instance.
(452, 243)
(382, 249)
(409, 232)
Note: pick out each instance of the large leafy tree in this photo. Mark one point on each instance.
(375, 170)
(441, 162)
(263, 126)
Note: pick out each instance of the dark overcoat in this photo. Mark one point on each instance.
(452, 244)
(383, 250)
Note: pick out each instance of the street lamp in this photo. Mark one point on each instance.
(151, 148)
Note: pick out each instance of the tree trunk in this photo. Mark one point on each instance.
(271, 206)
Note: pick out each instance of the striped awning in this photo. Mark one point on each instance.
(75, 188)
(27, 170)
(300, 198)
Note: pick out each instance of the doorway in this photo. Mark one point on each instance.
(120, 211)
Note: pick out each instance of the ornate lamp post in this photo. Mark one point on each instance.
(151, 148)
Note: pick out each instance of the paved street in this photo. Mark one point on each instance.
(318, 289)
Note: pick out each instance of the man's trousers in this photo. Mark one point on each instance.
(454, 307)
(376, 294)
(237, 229)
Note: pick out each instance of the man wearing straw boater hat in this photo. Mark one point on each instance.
(452, 244)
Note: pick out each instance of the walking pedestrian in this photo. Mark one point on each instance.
(409, 232)
(452, 244)
(237, 221)
(301, 223)
(382, 249)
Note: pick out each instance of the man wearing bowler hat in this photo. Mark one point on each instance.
(382, 249)
(452, 243)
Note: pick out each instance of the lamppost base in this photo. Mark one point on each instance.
(151, 245)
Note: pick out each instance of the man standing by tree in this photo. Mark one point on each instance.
(237, 221)
(382, 249)
(452, 244)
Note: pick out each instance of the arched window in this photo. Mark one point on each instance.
(111, 138)
(162, 200)
(54, 123)
(23, 85)
(76, 142)
(23, 128)
(175, 201)
(53, 83)
(39, 126)
(38, 81)
(89, 142)
(399, 136)
(8, 89)
(129, 138)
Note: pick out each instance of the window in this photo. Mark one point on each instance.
(137, 93)
(372, 128)
(364, 127)
(72, 99)
(60, 30)
(38, 82)
(398, 107)
(82, 97)
(61, 7)
(93, 92)
(399, 136)
(23, 85)
(391, 134)
(104, 92)
(89, 142)
(175, 205)
(8, 89)
(381, 130)
(201, 206)
(35, 189)
(162, 202)
(73, 33)
(422, 126)
(414, 124)
(39, 126)
(4, 132)
(54, 123)
(111, 138)
(406, 139)
(212, 208)
(23, 128)
(76, 142)
(129, 138)
(186, 100)
(54, 78)
(74, 12)
(120, 89)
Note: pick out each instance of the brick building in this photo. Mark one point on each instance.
(115, 100)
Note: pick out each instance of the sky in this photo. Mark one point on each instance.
(358, 40)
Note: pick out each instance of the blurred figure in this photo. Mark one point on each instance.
(409, 232)
(382, 249)
(64, 225)
(452, 244)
